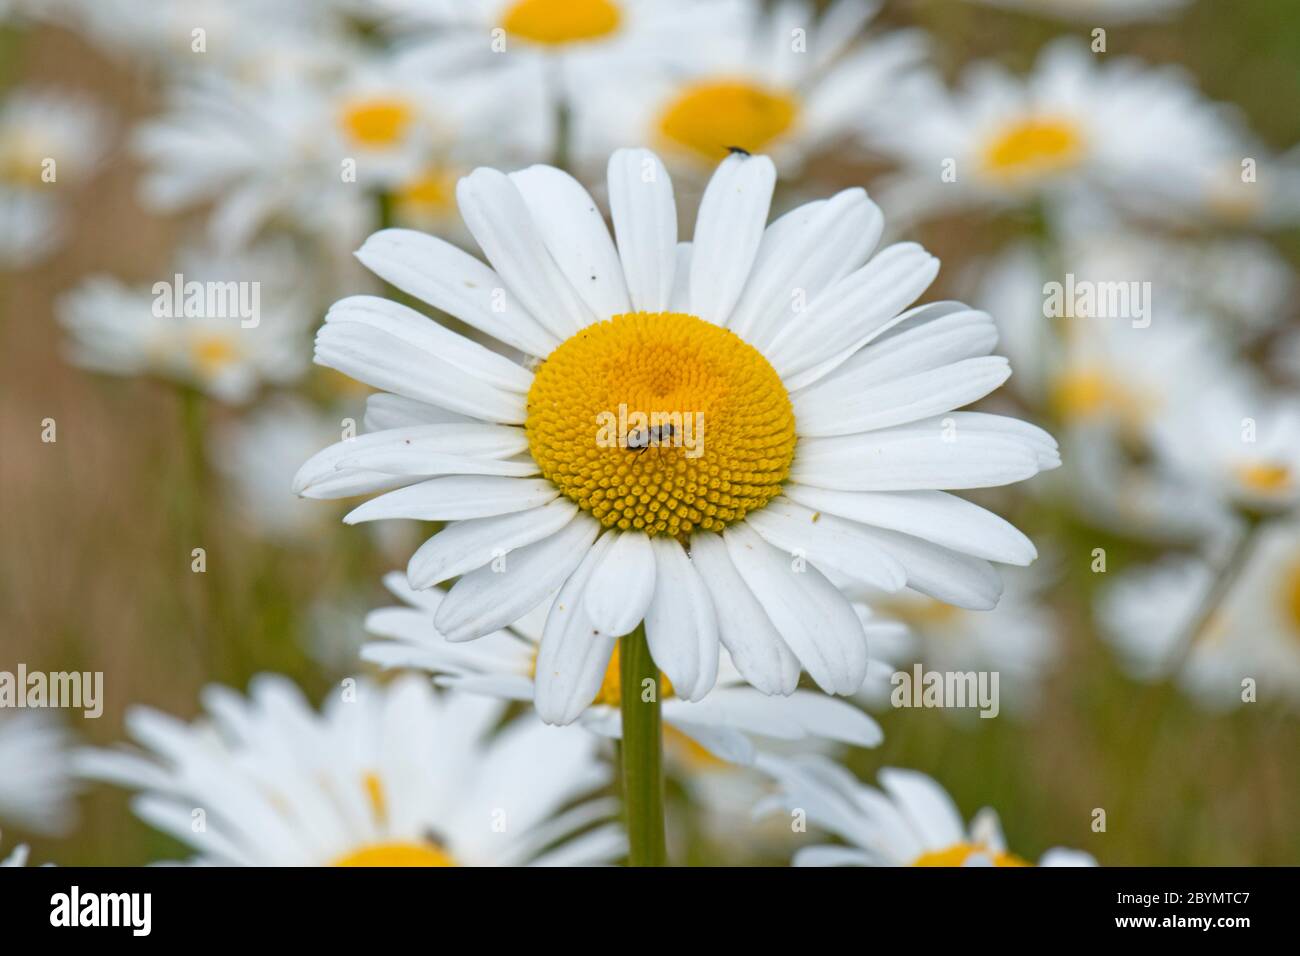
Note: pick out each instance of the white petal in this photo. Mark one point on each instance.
(466, 545)
(943, 574)
(728, 230)
(681, 626)
(802, 253)
(932, 336)
(645, 223)
(854, 310)
(571, 226)
(450, 279)
(395, 363)
(574, 653)
(498, 217)
(623, 584)
(385, 411)
(859, 402)
(933, 515)
(816, 621)
(751, 639)
(922, 455)
(456, 498)
(680, 300)
(830, 543)
(487, 599)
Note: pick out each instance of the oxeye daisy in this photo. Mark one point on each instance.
(383, 776)
(1246, 650)
(700, 430)
(215, 328)
(1079, 127)
(1239, 442)
(504, 664)
(910, 821)
(781, 82)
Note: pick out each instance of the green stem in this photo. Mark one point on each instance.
(643, 778)
(1232, 569)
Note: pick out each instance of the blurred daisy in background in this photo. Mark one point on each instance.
(1017, 640)
(36, 780)
(504, 665)
(122, 329)
(708, 546)
(51, 143)
(911, 821)
(1252, 635)
(565, 48)
(1239, 442)
(1077, 128)
(783, 82)
(391, 776)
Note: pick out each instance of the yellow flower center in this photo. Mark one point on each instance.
(212, 353)
(959, 853)
(611, 688)
(922, 614)
(1291, 597)
(1033, 147)
(1088, 393)
(708, 118)
(433, 192)
(557, 22)
(661, 422)
(21, 158)
(396, 853)
(1264, 478)
(377, 121)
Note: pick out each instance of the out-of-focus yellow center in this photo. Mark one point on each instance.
(723, 443)
(711, 117)
(22, 155)
(1291, 597)
(1085, 394)
(611, 688)
(432, 192)
(691, 754)
(557, 22)
(1266, 478)
(211, 354)
(959, 853)
(397, 853)
(377, 122)
(1033, 147)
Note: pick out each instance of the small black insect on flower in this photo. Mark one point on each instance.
(642, 439)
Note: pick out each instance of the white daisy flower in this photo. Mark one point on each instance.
(49, 138)
(1078, 127)
(122, 329)
(31, 227)
(1017, 640)
(36, 783)
(504, 664)
(1095, 11)
(782, 82)
(395, 776)
(1253, 635)
(564, 47)
(814, 426)
(911, 821)
(1238, 441)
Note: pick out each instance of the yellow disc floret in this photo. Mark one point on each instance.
(557, 22)
(1034, 147)
(661, 422)
(959, 853)
(396, 853)
(712, 117)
